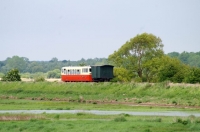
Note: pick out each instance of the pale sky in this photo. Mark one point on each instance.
(75, 29)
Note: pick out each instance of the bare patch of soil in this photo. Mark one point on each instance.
(19, 117)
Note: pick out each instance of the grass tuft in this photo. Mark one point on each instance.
(120, 119)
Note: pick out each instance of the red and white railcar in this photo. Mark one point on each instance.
(76, 74)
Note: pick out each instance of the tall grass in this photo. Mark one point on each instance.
(160, 93)
(99, 123)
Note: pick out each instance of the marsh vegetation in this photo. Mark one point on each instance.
(99, 96)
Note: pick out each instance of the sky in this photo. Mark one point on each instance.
(74, 29)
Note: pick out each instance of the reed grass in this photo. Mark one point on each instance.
(99, 123)
(160, 93)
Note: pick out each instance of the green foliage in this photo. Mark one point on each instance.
(134, 53)
(57, 116)
(1, 75)
(170, 69)
(26, 75)
(38, 74)
(122, 75)
(25, 66)
(15, 62)
(39, 79)
(12, 75)
(155, 67)
(181, 121)
(54, 74)
(82, 64)
(189, 58)
(193, 75)
(120, 119)
(173, 54)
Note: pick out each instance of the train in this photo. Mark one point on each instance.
(100, 73)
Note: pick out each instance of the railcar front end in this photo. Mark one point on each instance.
(76, 74)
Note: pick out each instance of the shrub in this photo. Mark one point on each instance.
(120, 119)
(39, 79)
(184, 122)
(12, 75)
(54, 74)
(57, 116)
(80, 114)
(193, 75)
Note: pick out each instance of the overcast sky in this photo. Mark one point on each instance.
(75, 29)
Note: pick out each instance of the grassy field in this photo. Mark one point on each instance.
(97, 96)
(161, 94)
(90, 123)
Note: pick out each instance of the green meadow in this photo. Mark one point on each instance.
(99, 93)
(98, 96)
(90, 123)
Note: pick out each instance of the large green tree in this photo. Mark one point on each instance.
(136, 52)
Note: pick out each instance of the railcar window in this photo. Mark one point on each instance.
(78, 72)
(90, 70)
(85, 70)
(67, 72)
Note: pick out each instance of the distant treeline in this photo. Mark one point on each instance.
(25, 66)
(189, 58)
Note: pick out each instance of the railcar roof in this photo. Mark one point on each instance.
(76, 66)
(84, 66)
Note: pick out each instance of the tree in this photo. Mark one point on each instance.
(82, 64)
(173, 54)
(16, 62)
(135, 53)
(122, 75)
(190, 58)
(54, 74)
(12, 75)
(194, 60)
(171, 69)
(184, 57)
(193, 75)
(54, 59)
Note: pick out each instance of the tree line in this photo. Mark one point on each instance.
(189, 58)
(141, 59)
(49, 69)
